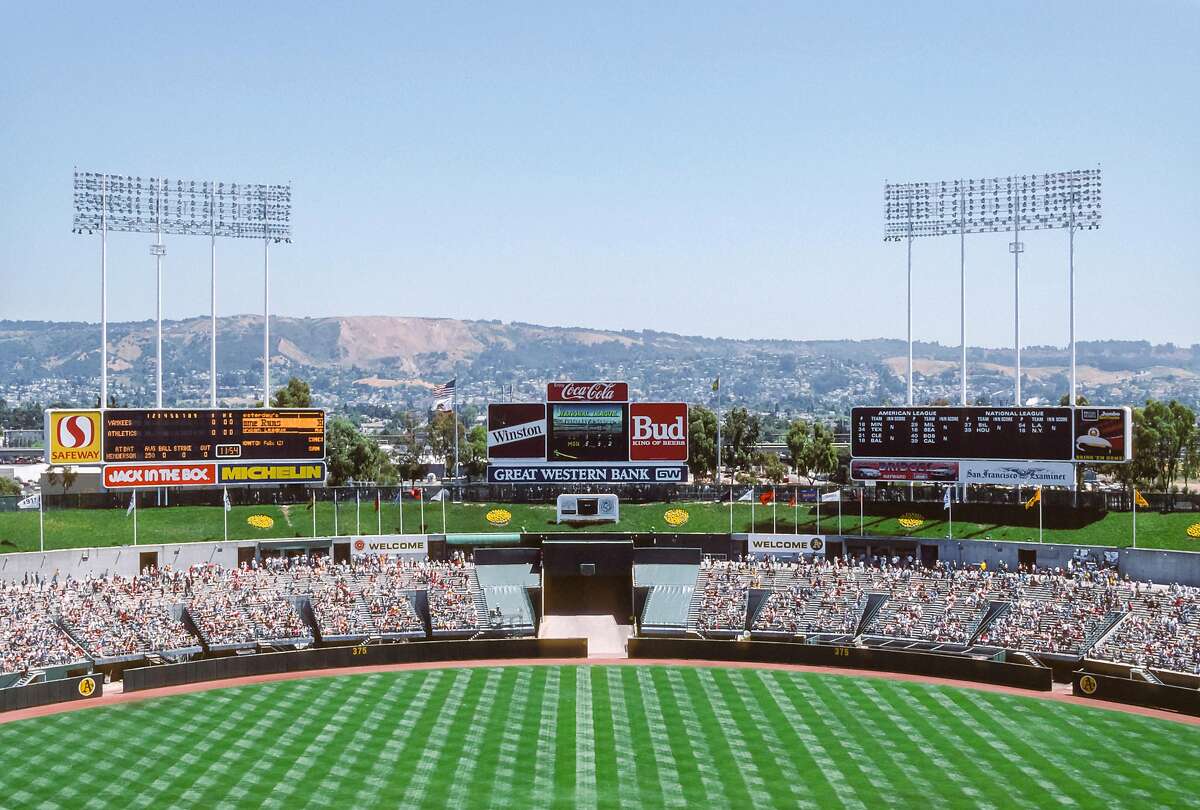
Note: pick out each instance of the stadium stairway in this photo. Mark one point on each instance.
(481, 608)
(1107, 627)
(31, 677)
(875, 602)
(994, 612)
(362, 613)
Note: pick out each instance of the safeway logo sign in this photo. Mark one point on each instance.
(74, 437)
(130, 476)
(587, 392)
(658, 431)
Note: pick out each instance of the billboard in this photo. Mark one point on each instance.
(587, 431)
(136, 476)
(516, 430)
(273, 473)
(587, 392)
(901, 469)
(658, 431)
(785, 544)
(74, 437)
(390, 545)
(1103, 435)
(618, 473)
(1018, 473)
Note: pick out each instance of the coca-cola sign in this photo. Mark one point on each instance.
(587, 392)
(658, 431)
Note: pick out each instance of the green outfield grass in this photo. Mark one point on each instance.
(70, 528)
(598, 736)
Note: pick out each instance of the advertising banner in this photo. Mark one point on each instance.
(73, 437)
(1103, 435)
(785, 545)
(587, 432)
(658, 431)
(1018, 473)
(517, 430)
(390, 545)
(586, 474)
(131, 476)
(271, 473)
(587, 392)
(897, 469)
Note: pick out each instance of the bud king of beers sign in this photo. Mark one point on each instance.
(587, 392)
(658, 431)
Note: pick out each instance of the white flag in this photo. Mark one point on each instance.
(227, 504)
(440, 496)
(946, 499)
(132, 504)
(748, 495)
(831, 497)
(32, 502)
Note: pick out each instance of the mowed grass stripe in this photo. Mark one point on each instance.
(478, 737)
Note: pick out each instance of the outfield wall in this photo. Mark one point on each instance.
(241, 666)
(900, 661)
(1098, 687)
(84, 687)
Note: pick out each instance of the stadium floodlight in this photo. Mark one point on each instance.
(1054, 200)
(159, 205)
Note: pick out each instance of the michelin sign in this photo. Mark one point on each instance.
(271, 473)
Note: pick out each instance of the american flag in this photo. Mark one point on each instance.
(442, 396)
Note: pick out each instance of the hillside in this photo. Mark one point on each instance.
(392, 361)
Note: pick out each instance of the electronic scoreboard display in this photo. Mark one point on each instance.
(1003, 434)
(591, 431)
(213, 435)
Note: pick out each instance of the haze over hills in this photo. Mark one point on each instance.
(393, 361)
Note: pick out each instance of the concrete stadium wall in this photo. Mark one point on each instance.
(241, 666)
(909, 663)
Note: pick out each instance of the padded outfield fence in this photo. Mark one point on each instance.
(84, 687)
(1137, 693)
(241, 666)
(904, 662)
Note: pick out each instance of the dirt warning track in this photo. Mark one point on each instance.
(1061, 692)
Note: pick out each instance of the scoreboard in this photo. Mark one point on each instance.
(1017, 434)
(217, 434)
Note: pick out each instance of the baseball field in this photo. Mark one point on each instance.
(598, 736)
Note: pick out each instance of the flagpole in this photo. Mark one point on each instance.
(818, 491)
(443, 494)
(950, 509)
(400, 502)
(1135, 494)
(133, 500)
(422, 491)
(1041, 500)
(752, 499)
(773, 528)
(335, 523)
(225, 511)
(839, 510)
(861, 524)
(454, 477)
(357, 512)
(314, 511)
(731, 509)
(796, 508)
(378, 513)
(41, 524)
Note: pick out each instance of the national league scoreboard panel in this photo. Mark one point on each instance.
(1083, 434)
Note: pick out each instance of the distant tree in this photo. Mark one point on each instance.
(702, 441)
(1163, 435)
(774, 469)
(441, 438)
(66, 476)
(812, 449)
(474, 451)
(739, 437)
(296, 394)
(408, 448)
(354, 457)
(9, 486)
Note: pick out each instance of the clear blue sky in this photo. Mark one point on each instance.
(702, 168)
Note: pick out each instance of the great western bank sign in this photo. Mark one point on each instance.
(390, 545)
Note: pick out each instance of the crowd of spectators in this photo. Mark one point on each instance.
(29, 634)
(1038, 610)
